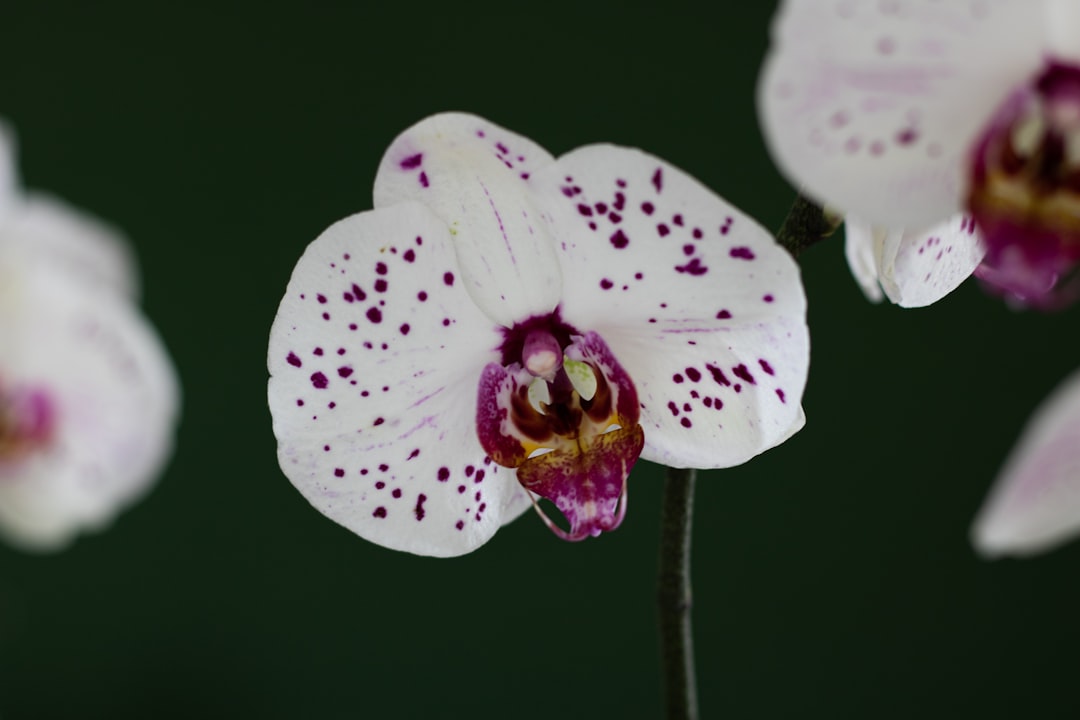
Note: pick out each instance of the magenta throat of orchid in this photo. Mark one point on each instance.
(27, 424)
(1025, 190)
(561, 410)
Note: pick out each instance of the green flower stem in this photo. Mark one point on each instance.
(806, 224)
(673, 595)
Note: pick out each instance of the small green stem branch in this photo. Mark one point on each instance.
(673, 595)
(806, 224)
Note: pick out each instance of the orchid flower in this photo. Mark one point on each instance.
(1035, 503)
(88, 395)
(919, 117)
(505, 327)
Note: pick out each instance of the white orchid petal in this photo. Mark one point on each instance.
(700, 305)
(859, 246)
(1062, 23)
(115, 395)
(375, 360)
(920, 268)
(87, 249)
(873, 106)
(9, 172)
(475, 176)
(1035, 502)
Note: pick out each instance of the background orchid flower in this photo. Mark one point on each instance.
(504, 321)
(912, 113)
(1035, 503)
(88, 395)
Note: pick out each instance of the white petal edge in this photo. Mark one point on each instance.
(700, 305)
(474, 175)
(69, 240)
(117, 401)
(859, 250)
(376, 418)
(1034, 504)
(873, 106)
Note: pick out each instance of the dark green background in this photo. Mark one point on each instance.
(833, 576)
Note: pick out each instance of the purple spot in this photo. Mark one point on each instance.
(379, 421)
(601, 208)
(412, 162)
(906, 137)
(767, 298)
(694, 267)
(743, 253)
(460, 524)
(319, 381)
(677, 378)
(293, 360)
(380, 512)
(421, 296)
(685, 422)
(585, 210)
(423, 179)
(658, 180)
(619, 240)
(419, 509)
(723, 315)
(780, 394)
(444, 474)
(339, 472)
(697, 233)
(374, 314)
(766, 367)
(743, 374)
(469, 470)
(404, 329)
(662, 229)
(647, 208)
(321, 298)
(409, 255)
(448, 278)
(718, 375)
(413, 454)
(606, 284)
(396, 493)
(688, 249)
(384, 467)
(620, 201)
(358, 293)
(638, 276)
(501, 148)
(380, 268)
(677, 220)
(693, 373)
(461, 489)
(326, 316)
(673, 408)
(344, 371)
(380, 285)
(379, 485)
(479, 476)
(299, 402)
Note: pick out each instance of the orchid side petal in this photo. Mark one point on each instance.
(9, 174)
(374, 361)
(475, 176)
(859, 246)
(873, 107)
(920, 268)
(89, 250)
(1035, 502)
(701, 306)
(115, 398)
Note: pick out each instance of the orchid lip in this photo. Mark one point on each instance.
(573, 440)
(27, 423)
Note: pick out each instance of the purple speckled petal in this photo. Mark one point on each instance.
(702, 308)
(589, 488)
(872, 106)
(1035, 503)
(475, 176)
(915, 269)
(111, 394)
(374, 357)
